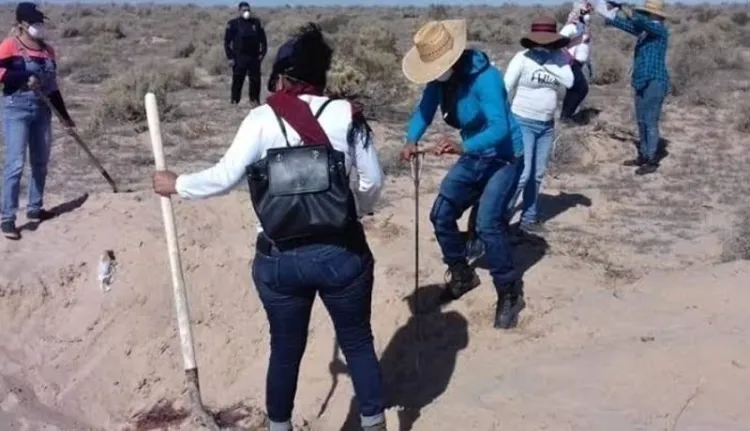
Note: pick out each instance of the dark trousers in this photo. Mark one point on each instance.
(575, 95)
(487, 181)
(287, 283)
(246, 67)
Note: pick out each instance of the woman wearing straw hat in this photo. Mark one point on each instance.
(470, 92)
(650, 78)
(536, 79)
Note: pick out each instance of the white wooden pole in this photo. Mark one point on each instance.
(178, 282)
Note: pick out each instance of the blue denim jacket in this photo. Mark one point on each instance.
(482, 108)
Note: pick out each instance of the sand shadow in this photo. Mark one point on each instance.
(57, 211)
(432, 337)
(528, 250)
(553, 206)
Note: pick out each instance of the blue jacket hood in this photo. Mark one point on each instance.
(473, 62)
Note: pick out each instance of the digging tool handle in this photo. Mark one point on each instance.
(178, 282)
(80, 142)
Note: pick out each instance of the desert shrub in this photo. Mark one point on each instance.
(94, 27)
(740, 18)
(91, 66)
(344, 79)
(214, 61)
(610, 67)
(185, 49)
(334, 24)
(489, 31)
(123, 97)
(438, 12)
(705, 14)
(692, 62)
(743, 119)
(737, 246)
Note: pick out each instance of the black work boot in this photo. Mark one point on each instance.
(461, 278)
(647, 168)
(10, 231)
(638, 161)
(509, 305)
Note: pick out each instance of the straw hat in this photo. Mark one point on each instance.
(544, 33)
(654, 7)
(437, 47)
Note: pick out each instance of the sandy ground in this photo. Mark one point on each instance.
(668, 352)
(631, 323)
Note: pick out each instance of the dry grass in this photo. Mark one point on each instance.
(98, 44)
(112, 55)
(737, 247)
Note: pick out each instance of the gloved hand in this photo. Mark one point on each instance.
(602, 8)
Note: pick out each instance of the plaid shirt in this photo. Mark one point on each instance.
(649, 59)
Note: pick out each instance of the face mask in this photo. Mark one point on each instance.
(444, 77)
(246, 14)
(37, 31)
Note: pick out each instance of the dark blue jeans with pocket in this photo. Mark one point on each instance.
(287, 283)
(489, 180)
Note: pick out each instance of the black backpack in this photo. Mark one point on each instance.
(302, 192)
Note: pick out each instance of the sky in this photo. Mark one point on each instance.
(363, 2)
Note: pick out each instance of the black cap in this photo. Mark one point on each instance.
(28, 12)
(283, 63)
(243, 4)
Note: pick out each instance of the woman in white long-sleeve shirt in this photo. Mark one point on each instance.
(289, 273)
(535, 80)
(578, 31)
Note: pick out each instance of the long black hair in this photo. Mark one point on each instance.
(306, 57)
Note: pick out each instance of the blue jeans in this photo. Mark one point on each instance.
(489, 180)
(26, 125)
(648, 104)
(287, 282)
(538, 137)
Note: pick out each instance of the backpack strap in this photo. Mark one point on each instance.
(322, 108)
(281, 125)
(281, 122)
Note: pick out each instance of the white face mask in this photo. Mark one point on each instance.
(446, 76)
(37, 31)
(246, 14)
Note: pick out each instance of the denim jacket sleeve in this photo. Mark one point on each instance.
(490, 88)
(423, 115)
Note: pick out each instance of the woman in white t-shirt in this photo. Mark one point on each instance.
(289, 272)
(535, 80)
(578, 31)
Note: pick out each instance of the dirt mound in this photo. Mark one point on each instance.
(670, 348)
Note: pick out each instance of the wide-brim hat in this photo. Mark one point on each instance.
(654, 7)
(544, 34)
(438, 45)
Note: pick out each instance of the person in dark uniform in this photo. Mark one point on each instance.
(245, 46)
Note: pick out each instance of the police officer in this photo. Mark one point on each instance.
(245, 46)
